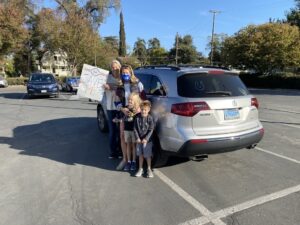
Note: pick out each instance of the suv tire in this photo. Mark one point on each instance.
(101, 119)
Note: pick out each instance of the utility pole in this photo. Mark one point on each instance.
(176, 53)
(212, 35)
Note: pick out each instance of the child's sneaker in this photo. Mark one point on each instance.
(133, 166)
(127, 166)
(150, 173)
(139, 172)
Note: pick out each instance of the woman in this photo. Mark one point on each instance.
(113, 81)
(130, 84)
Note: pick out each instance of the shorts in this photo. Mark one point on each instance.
(129, 136)
(146, 151)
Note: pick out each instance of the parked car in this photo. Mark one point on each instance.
(198, 111)
(3, 82)
(42, 84)
(71, 84)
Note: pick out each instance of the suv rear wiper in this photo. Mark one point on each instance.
(227, 93)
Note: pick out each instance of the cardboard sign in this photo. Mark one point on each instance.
(91, 83)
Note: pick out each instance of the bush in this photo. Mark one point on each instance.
(17, 80)
(271, 81)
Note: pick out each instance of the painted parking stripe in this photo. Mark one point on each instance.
(280, 123)
(245, 205)
(278, 155)
(206, 218)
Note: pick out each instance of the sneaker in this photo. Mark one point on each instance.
(121, 165)
(127, 166)
(139, 172)
(133, 166)
(150, 173)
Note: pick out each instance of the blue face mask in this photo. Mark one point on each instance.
(125, 77)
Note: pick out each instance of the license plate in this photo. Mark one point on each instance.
(231, 114)
(43, 91)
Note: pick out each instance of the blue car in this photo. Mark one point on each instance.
(42, 84)
(71, 84)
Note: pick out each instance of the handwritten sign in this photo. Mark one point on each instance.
(91, 82)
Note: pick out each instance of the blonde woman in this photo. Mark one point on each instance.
(131, 84)
(113, 81)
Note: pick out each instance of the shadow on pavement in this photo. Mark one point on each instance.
(70, 141)
(13, 95)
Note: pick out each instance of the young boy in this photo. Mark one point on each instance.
(143, 129)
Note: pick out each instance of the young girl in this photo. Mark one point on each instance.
(133, 108)
(131, 84)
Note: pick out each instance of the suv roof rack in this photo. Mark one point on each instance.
(181, 66)
(203, 66)
(171, 67)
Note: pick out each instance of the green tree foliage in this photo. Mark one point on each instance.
(140, 51)
(94, 10)
(217, 46)
(187, 53)
(156, 54)
(264, 48)
(122, 37)
(293, 17)
(72, 34)
(12, 30)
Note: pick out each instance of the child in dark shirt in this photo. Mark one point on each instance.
(143, 129)
(133, 108)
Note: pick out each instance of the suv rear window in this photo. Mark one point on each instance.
(210, 85)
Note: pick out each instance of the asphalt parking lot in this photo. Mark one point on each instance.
(54, 170)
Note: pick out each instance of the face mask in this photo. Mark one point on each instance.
(125, 77)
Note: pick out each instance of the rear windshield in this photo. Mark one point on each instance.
(1, 78)
(210, 85)
(48, 78)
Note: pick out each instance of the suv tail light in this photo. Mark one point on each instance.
(189, 108)
(254, 102)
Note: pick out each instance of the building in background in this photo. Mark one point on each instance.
(55, 63)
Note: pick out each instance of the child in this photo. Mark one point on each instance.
(143, 129)
(132, 109)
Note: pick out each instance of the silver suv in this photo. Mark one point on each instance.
(198, 111)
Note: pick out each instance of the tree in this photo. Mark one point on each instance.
(293, 17)
(94, 11)
(156, 54)
(71, 34)
(140, 51)
(122, 38)
(12, 30)
(217, 46)
(187, 52)
(264, 48)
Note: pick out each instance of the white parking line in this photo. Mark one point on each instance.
(197, 205)
(281, 123)
(278, 155)
(246, 205)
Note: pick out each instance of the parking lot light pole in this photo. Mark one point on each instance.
(214, 12)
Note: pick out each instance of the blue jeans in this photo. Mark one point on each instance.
(114, 137)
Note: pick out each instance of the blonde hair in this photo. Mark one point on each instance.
(115, 62)
(133, 78)
(135, 99)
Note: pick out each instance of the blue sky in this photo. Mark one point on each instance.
(163, 18)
